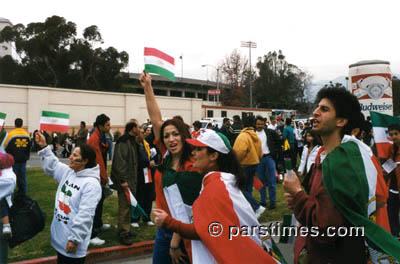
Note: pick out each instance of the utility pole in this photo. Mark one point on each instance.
(250, 45)
(181, 57)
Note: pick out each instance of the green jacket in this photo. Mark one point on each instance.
(125, 163)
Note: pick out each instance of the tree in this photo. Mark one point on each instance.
(234, 74)
(280, 84)
(50, 54)
(332, 85)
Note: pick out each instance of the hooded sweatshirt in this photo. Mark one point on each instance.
(77, 196)
(7, 175)
(247, 147)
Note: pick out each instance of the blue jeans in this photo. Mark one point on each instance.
(110, 148)
(20, 171)
(3, 246)
(393, 205)
(249, 173)
(266, 174)
(3, 208)
(161, 247)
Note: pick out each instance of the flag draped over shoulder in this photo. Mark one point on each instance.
(158, 62)
(380, 123)
(136, 210)
(54, 121)
(349, 176)
(223, 203)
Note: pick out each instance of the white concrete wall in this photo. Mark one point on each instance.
(231, 112)
(26, 102)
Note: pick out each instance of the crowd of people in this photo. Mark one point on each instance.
(198, 176)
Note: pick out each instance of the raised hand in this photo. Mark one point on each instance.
(40, 139)
(145, 80)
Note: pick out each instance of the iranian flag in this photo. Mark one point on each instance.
(54, 121)
(136, 210)
(158, 62)
(2, 119)
(350, 176)
(380, 123)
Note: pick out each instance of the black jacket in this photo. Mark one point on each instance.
(228, 132)
(18, 144)
(274, 142)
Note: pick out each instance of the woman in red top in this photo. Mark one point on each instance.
(221, 207)
(177, 183)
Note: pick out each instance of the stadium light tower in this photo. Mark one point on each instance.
(250, 45)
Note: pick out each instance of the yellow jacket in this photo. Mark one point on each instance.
(247, 147)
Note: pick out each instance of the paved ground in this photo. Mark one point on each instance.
(145, 259)
(34, 161)
(286, 249)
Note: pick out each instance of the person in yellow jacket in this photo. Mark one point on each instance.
(248, 150)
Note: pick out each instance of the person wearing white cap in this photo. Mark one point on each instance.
(221, 202)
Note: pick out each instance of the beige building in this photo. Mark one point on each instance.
(27, 102)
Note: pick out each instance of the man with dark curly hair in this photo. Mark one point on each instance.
(342, 190)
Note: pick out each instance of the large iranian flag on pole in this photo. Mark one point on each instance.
(54, 121)
(158, 62)
(380, 123)
(2, 119)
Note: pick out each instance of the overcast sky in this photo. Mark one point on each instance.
(321, 37)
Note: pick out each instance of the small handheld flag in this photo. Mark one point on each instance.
(2, 119)
(289, 169)
(158, 62)
(380, 124)
(54, 121)
(136, 210)
(257, 183)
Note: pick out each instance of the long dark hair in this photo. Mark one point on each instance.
(184, 133)
(316, 139)
(230, 164)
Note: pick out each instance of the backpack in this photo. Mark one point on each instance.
(26, 220)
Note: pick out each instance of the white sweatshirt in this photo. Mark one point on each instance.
(76, 199)
(7, 182)
(308, 159)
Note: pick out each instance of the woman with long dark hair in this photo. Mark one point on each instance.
(310, 150)
(223, 204)
(177, 183)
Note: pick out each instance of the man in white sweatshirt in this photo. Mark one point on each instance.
(77, 196)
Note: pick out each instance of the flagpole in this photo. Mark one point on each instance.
(181, 57)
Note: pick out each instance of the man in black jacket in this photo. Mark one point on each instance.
(227, 130)
(266, 169)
